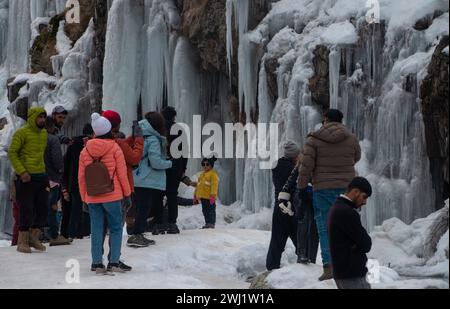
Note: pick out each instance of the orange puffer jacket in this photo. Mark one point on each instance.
(112, 156)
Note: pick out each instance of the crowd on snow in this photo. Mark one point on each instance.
(106, 180)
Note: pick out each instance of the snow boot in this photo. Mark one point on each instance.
(23, 242)
(327, 273)
(34, 241)
(59, 241)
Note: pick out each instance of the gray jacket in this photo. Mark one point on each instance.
(53, 158)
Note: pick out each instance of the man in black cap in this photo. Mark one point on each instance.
(349, 241)
(59, 116)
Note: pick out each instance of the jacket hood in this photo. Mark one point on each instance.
(99, 147)
(33, 113)
(332, 133)
(148, 130)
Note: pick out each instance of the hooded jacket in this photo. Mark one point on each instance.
(151, 172)
(329, 158)
(27, 149)
(112, 156)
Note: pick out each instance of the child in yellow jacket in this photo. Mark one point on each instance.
(206, 192)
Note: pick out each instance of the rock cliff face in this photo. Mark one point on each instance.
(434, 95)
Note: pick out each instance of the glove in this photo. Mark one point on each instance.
(138, 131)
(127, 203)
(285, 204)
(212, 200)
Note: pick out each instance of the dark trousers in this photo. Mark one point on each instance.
(75, 228)
(307, 236)
(147, 200)
(173, 178)
(67, 211)
(172, 206)
(32, 198)
(353, 284)
(53, 226)
(283, 227)
(209, 211)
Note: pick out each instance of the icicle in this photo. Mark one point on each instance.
(122, 72)
(335, 63)
(154, 71)
(18, 36)
(241, 14)
(3, 30)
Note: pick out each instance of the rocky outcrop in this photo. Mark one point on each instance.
(87, 10)
(204, 24)
(435, 109)
(44, 46)
(319, 84)
(425, 22)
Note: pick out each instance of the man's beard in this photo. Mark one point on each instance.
(40, 126)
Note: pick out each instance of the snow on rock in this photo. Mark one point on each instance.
(404, 247)
(445, 51)
(340, 33)
(63, 43)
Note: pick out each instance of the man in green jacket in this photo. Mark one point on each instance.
(26, 154)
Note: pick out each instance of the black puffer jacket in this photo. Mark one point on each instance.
(176, 172)
(71, 162)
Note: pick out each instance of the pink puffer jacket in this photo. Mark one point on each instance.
(112, 156)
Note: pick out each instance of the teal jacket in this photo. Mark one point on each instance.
(151, 172)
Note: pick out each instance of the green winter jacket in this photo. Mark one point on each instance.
(27, 149)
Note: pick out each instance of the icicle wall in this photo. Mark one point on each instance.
(303, 57)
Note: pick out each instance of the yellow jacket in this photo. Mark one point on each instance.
(208, 185)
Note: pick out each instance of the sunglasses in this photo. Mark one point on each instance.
(205, 164)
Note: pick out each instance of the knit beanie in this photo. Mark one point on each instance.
(291, 150)
(100, 125)
(113, 117)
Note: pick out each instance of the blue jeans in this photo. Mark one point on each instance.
(113, 214)
(52, 219)
(323, 200)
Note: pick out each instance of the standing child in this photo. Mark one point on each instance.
(206, 191)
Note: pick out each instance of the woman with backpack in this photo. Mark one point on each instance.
(150, 179)
(103, 183)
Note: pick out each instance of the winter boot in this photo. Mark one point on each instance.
(302, 259)
(158, 229)
(34, 241)
(327, 273)
(23, 242)
(173, 229)
(59, 241)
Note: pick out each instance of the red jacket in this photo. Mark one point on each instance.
(132, 149)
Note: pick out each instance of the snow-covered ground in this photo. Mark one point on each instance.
(227, 257)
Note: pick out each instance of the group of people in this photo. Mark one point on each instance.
(106, 179)
(318, 197)
(103, 180)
